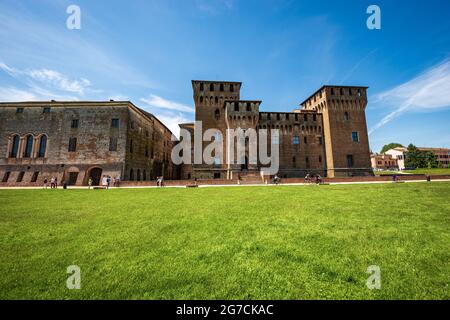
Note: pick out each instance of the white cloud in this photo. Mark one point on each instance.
(428, 91)
(161, 103)
(172, 121)
(13, 94)
(49, 78)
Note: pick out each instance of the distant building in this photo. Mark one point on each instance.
(383, 162)
(399, 153)
(74, 141)
(327, 135)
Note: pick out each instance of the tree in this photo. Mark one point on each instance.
(420, 159)
(390, 146)
(412, 158)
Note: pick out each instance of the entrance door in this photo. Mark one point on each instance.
(96, 175)
(73, 176)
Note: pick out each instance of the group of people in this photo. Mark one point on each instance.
(160, 181)
(317, 179)
(105, 182)
(53, 183)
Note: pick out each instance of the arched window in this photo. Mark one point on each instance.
(217, 114)
(28, 146)
(346, 116)
(144, 175)
(42, 146)
(14, 146)
(138, 175)
(294, 163)
(201, 99)
(131, 175)
(216, 100)
(201, 86)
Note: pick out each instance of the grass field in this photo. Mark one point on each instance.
(436, 171)
(284, 242)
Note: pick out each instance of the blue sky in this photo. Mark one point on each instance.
(282, 50)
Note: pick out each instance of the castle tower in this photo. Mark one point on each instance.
(345, 129)
(209, 99)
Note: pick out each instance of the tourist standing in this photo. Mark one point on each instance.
(45, 183)
(108, 182)
(90, 183)
(52, 183)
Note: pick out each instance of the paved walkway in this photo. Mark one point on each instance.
(236, 185)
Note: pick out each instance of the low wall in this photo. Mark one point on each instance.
(181, 183)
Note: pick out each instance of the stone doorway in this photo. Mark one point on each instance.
(96, 175)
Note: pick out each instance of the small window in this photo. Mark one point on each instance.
(131, 146)
(147, 154)
(15, 146)
(305, 117)
(359, 92)
(332, 91)
(275, 139)
(314, 117)
(75, 123)
(19, 110)
(131, 175)
(305, 140)
(202, 87)
(355, 136)
(72, 144)
(6, 177)
(216, 100)
(201, 99)
(35, 176)
(268, 116)
(249, 107)
(346, 116)
(294, 162)
(20, 176)
(296, 117)
(28, 147)
(320, 140)
(295, 140)
(341, 92)
(236, 106)
(278, 116)
(114, 123)
(46, 110)
(307, 162)
(231, 88)
(287, 116)
(349, 160)
(42, 146)
(221, 87)
(320, 159)
(217, 114)
(211, 87)
(112, 144)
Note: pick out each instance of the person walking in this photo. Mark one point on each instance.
(56, 182)
(52, 183)
(90, 182)
(45, 183)
(108, 182)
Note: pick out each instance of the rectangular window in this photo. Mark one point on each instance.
(314, 117)
(275, 139)
(355, 136)
(295, 140)
(320, 140)
(305, 139)
(72, 144)
(6, 177)
(112, 144)
(75, 123)
(349, 160)
(20, 176)
(46, 110)
(19, 110)
(114, 123)
(35, 176)
(305, 117)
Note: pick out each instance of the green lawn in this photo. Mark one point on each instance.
(284, 242)
(429, 171)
